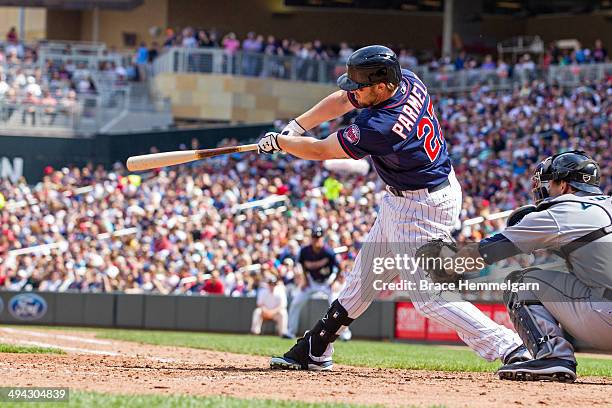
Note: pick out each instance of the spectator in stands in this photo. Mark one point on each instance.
(600, 54)
(460, 61)
(142, 58)
(345, 52)
(230, 44)
(68, 104)
(271, 305)
(407, 59)
(49, 104)
(204, 40)
(11, 36)
(152, 52)
(189, 40)
(30, 107)
(251, 46)
(4, 86)
(488, 63)
(214, 285)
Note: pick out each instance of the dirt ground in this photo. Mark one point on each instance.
(122, 367)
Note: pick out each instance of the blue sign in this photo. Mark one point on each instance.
(27, 306)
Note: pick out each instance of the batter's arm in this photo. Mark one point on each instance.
(309, 148)
(330, 107)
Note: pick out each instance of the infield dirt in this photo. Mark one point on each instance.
(113, 366)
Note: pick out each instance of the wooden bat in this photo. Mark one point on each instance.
(155, 160)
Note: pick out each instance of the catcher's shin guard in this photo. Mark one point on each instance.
(524, 322)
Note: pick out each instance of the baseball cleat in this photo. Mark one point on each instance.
(548, 369)
(298, 358)
(284, 363)
(517, 355)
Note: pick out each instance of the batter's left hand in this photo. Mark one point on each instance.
(269, 143)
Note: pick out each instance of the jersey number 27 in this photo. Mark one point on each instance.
(429, 128)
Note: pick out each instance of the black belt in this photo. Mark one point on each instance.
(433, 189)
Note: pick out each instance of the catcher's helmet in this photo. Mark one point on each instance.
(370, 65)
(575, 167)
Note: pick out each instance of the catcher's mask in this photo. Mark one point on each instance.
(575, 167)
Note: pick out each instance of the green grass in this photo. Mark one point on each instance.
(93, 399)
(356, 353)
(14, 348)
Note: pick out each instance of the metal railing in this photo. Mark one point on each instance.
(20, 115)
(85, 54)
(218, 61)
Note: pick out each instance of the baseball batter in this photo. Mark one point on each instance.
(320, 268)
(574, 219)
(397, 127)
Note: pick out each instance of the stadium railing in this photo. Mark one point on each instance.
(89, 54)
(218, 61)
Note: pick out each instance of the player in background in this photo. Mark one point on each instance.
(397, 127)
(319, 265)
(574, 219)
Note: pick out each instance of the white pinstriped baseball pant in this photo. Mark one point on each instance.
(412, 221)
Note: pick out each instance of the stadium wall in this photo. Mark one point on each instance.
(238, 99)
(28, 156)
(170, 312)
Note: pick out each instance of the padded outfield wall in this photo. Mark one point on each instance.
(27, 156)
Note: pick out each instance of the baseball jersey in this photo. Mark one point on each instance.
(573, 217)
(402, 136)
(318, 266)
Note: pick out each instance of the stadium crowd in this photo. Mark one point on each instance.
(255, 43)
(191, 235)
(50, 92)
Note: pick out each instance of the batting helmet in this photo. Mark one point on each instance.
(370, 65)
(317, 231)
(575, 167)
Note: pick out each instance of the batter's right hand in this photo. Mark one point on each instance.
(269, 143)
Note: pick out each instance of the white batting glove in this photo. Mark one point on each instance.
(293, 128)
(269, 143)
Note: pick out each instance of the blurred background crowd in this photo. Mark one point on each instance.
(187, 229)
(268, 44)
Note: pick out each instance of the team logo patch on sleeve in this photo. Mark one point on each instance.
(352, 134)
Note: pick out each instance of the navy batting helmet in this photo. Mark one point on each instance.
(575, 167)
(370, 65)
(317, 231)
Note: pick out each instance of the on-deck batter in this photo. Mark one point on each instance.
(320, 267)
(397, 127)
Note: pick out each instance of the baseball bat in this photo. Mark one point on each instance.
(155, 160)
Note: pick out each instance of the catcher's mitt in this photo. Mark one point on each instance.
(432, 256)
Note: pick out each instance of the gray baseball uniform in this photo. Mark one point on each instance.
(579, 300)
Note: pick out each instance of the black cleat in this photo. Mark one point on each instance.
(517, 355)
(284, 363)
(547, 369)
(298, 358)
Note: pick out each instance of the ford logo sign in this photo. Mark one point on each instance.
(27, 306)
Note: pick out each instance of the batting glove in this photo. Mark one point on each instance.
(269, 143)
(293, 128)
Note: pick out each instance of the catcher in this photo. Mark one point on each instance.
(574, 219)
